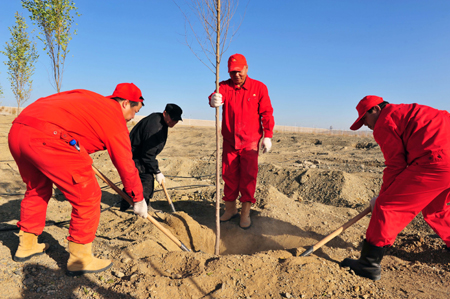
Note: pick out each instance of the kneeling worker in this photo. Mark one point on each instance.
(51, 141)
(415, 143)
(148, 139)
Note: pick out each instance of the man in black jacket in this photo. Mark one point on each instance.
(148, 139)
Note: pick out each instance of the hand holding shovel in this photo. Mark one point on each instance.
(149, 218)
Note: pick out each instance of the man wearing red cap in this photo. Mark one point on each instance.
(247, 117)
(51, 141)
(415, 143)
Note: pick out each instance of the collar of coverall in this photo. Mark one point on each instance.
(246, 84)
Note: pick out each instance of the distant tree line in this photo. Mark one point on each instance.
(54, 19)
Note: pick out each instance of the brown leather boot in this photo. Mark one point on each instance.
(29, 247)
(245, 222)
(82, 261)
(230, 211)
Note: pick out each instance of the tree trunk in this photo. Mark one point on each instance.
(217, 247)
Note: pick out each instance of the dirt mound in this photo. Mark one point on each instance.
(335, 188)
(308, 186)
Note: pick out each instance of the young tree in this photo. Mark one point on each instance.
(1, 92)
(215, 18)
(55, 19)
(22, 56)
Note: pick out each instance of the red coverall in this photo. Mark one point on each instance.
(38, 141)
(415, 141)
(247, 114)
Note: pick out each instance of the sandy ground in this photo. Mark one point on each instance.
(308, 186)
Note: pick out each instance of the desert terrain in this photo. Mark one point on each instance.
(308, 186)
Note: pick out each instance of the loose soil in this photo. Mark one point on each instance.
(308, 186)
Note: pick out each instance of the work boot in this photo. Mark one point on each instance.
(230, 211)
(245, 222)
(368, 264)
(29, 247)
(82, 261)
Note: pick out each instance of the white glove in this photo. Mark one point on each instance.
(140, 208)
(160, 178)
(372, 203)
(266, 145)
(216, 100)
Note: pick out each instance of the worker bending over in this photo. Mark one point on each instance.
(415, 141)
(51, 141)
(148, 139)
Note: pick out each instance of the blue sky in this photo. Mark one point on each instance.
(317, 58)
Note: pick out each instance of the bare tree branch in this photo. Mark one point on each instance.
(204, 16)
(215, 20)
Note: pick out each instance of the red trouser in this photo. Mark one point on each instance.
(239, 172)
(44, 160)
(418, 188)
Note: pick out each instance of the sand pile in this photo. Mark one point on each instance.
(308, 186)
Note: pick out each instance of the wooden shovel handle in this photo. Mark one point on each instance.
(130, 201)
(336, 232)
(163, 185)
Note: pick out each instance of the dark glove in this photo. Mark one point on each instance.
(124, 205)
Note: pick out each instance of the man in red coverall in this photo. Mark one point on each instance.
(247, 117)
(415, 143)
(51, 141)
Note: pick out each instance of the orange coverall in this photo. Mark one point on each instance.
(39, 142)
(415, 141)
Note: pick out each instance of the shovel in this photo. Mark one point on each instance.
(149, 218)
(163, 185)
(336, 232)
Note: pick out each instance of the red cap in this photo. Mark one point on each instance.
(236, 62)
(363, 106)
(127, 91)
